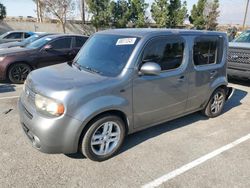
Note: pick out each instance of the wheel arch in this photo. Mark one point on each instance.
(115, 112)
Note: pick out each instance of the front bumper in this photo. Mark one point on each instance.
(238, 73)
(50, 135)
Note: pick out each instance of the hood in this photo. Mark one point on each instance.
(62, 77)
(243, 45)
(14, 51)
(10, 44)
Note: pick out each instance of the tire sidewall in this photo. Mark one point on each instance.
(208, 110)
(86, 141)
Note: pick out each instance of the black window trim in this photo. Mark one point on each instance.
(180, 37)
(74, 41)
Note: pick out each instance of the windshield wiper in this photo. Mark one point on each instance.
(77, 66)
(89, 69)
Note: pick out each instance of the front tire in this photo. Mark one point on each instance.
(215, 104)
(18, 73)
(104, 138)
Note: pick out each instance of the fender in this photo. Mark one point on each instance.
(220, 81)
(100, 105)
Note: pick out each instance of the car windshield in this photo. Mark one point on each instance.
(39, 43)
(30, 39)
(106, 54)
(243, 37)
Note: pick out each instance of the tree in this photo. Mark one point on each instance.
(197, 17)
(176, 13)
(39, 10)
(100, 14)
(138, 11)
(2, 11)
(211, 14)
(159, 12)
(61, 9)
(120, 13)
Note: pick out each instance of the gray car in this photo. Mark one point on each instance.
(13, 36)
(123, 81)
(25, 42)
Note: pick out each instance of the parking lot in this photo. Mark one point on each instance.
(165, 155)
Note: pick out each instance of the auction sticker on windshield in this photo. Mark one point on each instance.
(126, 41)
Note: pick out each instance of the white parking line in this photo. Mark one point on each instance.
(12, 97)
(157, 182)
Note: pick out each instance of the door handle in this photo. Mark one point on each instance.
(181, 78)
(213, 74)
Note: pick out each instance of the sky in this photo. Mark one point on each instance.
(231, 11)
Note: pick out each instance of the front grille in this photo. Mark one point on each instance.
(28, 133)
(29, 96)
(239, 55)
(28, 101)
(28, 114)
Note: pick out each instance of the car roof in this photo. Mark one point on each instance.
(44, 33)
(151, 31)
(18, 31)
(52, 36)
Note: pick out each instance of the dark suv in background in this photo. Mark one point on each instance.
(17, 63)
(239, 56)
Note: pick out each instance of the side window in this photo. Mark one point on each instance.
(168, 53)
(64, 43)
(207, 50)
(80, 41)
(14, 36)
(26, 35)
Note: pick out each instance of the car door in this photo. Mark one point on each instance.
(205, 69)
(159, 97)
(58, 52)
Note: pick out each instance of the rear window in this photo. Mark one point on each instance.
(27, 35)
(80, 41)
(207, 50)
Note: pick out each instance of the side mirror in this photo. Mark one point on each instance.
(150, 68)
(47, 47)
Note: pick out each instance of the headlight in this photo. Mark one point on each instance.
(48, 106)
(2, 58)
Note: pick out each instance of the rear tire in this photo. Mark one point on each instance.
(104, 138)
(215, 104)
(18, 73)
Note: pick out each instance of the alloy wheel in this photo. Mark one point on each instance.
(105, 138)
(217, 103)
(19, 73)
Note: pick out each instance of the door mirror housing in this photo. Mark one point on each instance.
(150, 68)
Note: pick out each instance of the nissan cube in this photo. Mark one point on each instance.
(123, 81)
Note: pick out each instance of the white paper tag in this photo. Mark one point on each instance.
(126, 41)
